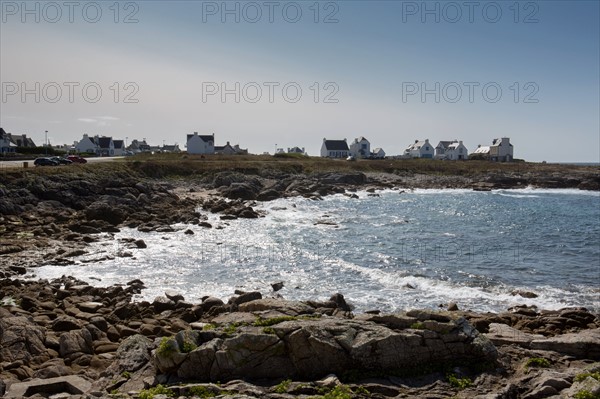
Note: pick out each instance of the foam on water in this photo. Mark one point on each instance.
(420, 248)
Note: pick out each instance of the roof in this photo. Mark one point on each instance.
(378, 149)
(416, 146)
(454, 145)
(497, 142)
(205, 138)
(118, 143)
(104, 142)
(484, 149)
(336, 145)
(445, 144)
(361, 138)
(2, 132)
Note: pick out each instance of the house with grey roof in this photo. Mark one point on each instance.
(335, 149)
(360, 148)
(200, 144)
(6, 145)
(451, 150)
(501, 150)
(419, 149)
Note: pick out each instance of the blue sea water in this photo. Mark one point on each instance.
(395, 251)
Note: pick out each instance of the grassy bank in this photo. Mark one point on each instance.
(183, 165)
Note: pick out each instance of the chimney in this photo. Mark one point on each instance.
(324, 139)
(227, 142)
(195, 133)
(478, 145)
(460, 142)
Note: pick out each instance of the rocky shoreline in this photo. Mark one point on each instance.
(69, 338)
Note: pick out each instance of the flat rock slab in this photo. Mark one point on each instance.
(501, 334)
(70, 384)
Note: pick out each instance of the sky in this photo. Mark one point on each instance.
(278, 74)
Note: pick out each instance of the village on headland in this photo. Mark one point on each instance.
(499, 150)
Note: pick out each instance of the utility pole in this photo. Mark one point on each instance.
(46, 140)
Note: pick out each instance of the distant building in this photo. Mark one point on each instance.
(101, 146)
(501, 150)
(87, 144)
(419, 149)
(171, 148)
(451, 150)
(482, 151)
(378, 153)
(296, 150)
(119, 148)
(6, 145)
(360, 148)
(335, 149)
(228, 149)
(200, 144)
(137, 146)
(20, 140)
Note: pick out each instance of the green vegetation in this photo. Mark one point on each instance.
(126, 374)
(417, 326)
(269, 330)
(585, 394)
(188, 347)
(537, 362)
(339, 392)
(460, 383)
(271, 322)
(157, 390)
(283, 386)
(202, 392)
(166, 346)
(583, 376)
(8, 301)
(208, 327)
(231, 328)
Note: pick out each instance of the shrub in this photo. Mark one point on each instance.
(460, 383)
(537, 362)
(283, 386)
(157, 390)
(583, 376)
(585, 394)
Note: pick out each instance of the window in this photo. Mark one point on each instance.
(426, 148)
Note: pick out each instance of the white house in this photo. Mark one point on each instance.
(229, 149)
(335, 149)
(119, 148)
(87, 144)
(378, 153)
(200, 144)
(360, 148)
(440, 149)
(501, 150)
(419, 149)
(451, 150)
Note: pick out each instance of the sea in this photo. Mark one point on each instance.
(392, 250)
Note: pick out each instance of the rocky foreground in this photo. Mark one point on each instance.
(70, 339)
(67, 338)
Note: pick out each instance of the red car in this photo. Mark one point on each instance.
(76, 159)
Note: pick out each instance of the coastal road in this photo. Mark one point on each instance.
(19, 164)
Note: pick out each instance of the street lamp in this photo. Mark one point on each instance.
(46, 140)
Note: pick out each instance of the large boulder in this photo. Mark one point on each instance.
(20, 339)
(311, 348)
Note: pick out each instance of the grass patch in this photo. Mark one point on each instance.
(157, 390)
(459, 383)
(283, 386)
(201, 392)
(269, 330)
(583, 376)
(538, 362)
(188, 347)
(271, 322)
(339, 392)
(585, 394)
(166, 346)
(417, 326)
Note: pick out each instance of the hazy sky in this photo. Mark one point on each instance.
(282, 73)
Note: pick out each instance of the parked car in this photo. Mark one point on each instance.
(76, 159)
(44, 162)
(61, 160)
